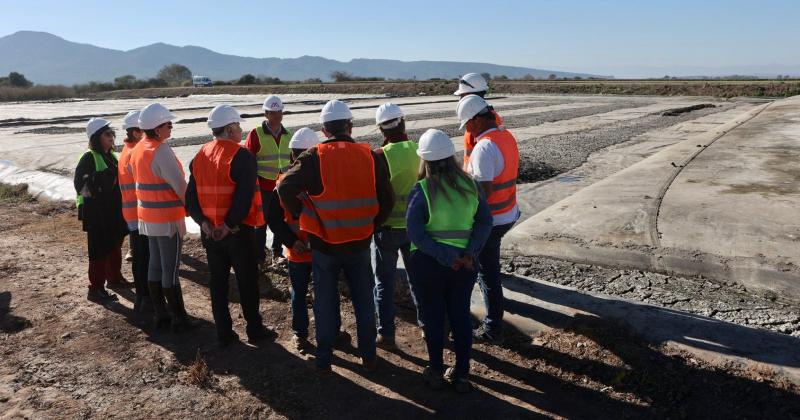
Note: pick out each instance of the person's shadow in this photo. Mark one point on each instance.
(10, 323)
(670, 384)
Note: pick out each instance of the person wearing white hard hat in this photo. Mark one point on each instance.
(160, 194)
(391, 239)
(448, 223)
(269, 142)
(139, 248)
(99, 203)
(223, 199)
(494, 163)
(341, 191)
(473, 84)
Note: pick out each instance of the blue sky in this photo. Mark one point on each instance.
(608, 37)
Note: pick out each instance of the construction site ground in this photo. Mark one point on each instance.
(653, 274)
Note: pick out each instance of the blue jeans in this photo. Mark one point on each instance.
(443, 291)
(489, 278)
(358, 274)
(299, 276)
(388, 242)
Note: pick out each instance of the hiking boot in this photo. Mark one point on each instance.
(385, 342)
(300, 343)
(434, 379)
(142, 304)
(459, 380)
(101, 296)
(483, 335)
(342, 338)
(370, 365)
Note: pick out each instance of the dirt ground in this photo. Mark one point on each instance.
(62, 356)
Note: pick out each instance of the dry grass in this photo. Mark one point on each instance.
(35, 93)
(198, 373)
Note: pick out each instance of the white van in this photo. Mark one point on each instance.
(201, 81)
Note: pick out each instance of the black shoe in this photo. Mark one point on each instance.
(101, 296)
(370, 365)
(433, 378)
(385, 342)
(459, 380)
(483, 335)
(342, 338)
(227, 339)
(259, 334)
(143, 304)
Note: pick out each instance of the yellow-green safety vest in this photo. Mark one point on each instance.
(403, 170)
(272, 159)
(451, 217)
(99, 165)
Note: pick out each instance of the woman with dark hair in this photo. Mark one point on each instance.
(99, 203)
(448, 221)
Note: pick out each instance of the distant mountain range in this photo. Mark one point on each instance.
(48, 59)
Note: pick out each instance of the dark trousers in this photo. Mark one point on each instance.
(261, 232)
(140, 248)
(105, 259)
(300, 277)
(441, 292)
(358, 274)
(489, 278)
(389, 243)
(235, 250)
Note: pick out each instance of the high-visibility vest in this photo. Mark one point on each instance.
(404, 170)
(99, 165)
(127, 185)
(211, 169)
(504, 187)
(156, 201)
(470, 141)
(345, 210)
(452, 215)
(294, 226)
(272, 158)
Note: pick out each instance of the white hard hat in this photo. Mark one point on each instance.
(435, 145)
(468, 107)
(335, 110)
(154, 115)
(304, 138)
(273, 103)
(94, 125)
(388, 112)
(223, 115)
(471, 83)
(131, 120)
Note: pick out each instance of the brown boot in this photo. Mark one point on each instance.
(180, 320)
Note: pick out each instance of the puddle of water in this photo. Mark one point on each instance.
(568, 178)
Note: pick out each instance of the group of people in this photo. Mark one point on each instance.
(333, 207)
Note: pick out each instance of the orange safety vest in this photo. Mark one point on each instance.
(157, 202)
(504, 187)
(127, 185)
(346, 208)
(470, 141)
(211, 169)
(294, 226)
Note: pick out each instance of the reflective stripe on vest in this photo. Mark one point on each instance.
(156, 201)
(99, 165)
(452, 215)
(504, 187)
(345, 210)
(211, 169)
(272, 159)
(403, 169)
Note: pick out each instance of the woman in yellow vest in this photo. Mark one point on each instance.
(99, 203)
(448, 221)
